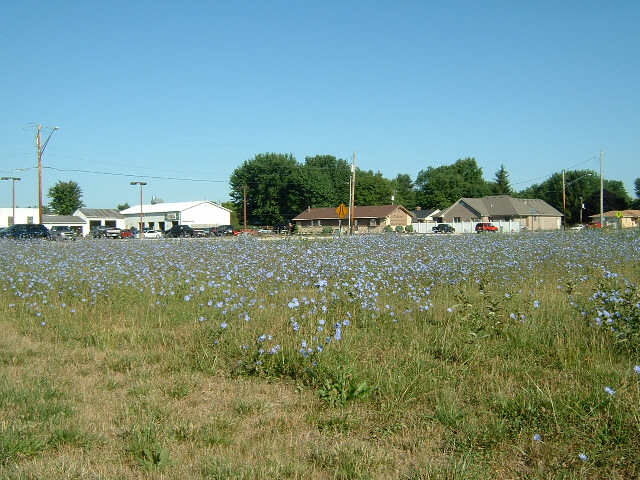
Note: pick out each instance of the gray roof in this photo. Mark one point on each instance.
(506, 206)
(101, 213)
(62, 219)
(420, 214)
(329, 213)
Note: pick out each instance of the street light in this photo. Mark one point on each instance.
(141, 228)
(564, 197)
(13, 219)
(41, 148)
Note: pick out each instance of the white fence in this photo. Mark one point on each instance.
(469, 227)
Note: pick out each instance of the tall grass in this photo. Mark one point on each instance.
(397, 356)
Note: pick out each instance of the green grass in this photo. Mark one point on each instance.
(440, 373)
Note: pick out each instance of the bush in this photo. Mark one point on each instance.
(327, 230)
(387, 229)
(399, 229)
(409, 229)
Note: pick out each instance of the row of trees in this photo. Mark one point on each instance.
(278, 187)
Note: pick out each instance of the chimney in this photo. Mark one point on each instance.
(418, 208)
(308, 208)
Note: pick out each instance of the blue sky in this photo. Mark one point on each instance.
(179, 94)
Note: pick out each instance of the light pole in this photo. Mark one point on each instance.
(564, 197)
(13, 219)
(141, 227)
(41, 147)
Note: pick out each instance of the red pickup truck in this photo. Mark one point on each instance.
(485, 227)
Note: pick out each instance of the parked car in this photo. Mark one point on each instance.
(181, 231)
(593, 225)
(222, 230)
(578, 227)
(150, 233)
(284, 227)
(63, 232)
(443, 228)
(127, 233)
(26, 230)
(486, 227)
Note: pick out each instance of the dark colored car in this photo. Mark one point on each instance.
(26, 230)
(284, 227)
(224, 230)
(486, 227)
(62, 232)
(178, 231)
(443, 228)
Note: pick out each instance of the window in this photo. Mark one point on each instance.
(373, 222)
(457, 220)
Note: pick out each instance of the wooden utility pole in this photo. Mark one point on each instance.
(352, 200)
(244, 188)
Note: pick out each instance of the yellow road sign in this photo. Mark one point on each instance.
(342, 210)
(619, 214)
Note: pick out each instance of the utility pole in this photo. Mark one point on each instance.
(601, 189)
(564, 202)
(244, 188)
(352, 200)
(41, 148)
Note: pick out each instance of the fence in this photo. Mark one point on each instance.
(469, 227)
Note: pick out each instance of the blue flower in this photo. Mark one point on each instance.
(609, 390)
(187, 298)
(223, 324)
(636, 369)
(583, 457)
(537, 437)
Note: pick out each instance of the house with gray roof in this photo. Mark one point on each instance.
(527, 213)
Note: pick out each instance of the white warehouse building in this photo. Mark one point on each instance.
(162, 216)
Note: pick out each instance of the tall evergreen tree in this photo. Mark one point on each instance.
(500, 184)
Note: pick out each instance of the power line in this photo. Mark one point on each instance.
(131, 175)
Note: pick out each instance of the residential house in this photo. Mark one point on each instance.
(619, 218)
(369, 219)
(508, 213)
(162, 216)
(424, 220)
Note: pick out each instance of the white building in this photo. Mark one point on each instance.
(162, 216)
(23, 215)
(99, 217)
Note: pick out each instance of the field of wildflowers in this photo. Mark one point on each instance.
(391, 356)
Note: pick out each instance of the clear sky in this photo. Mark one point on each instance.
(179, 94)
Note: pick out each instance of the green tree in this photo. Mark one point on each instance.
(372, 188)
(124, 206)
(66, 197)
(440, 187)
(500, 184)
(326, 182)
(404, 191)
(636, 186)
(274, 186)
(235, 220)
(581, 187)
